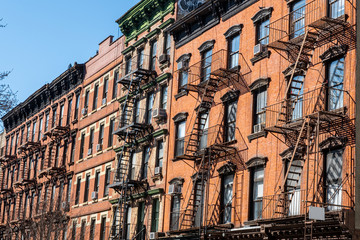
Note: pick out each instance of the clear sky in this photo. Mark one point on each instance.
(43, 37)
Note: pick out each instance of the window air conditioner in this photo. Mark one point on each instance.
(89, 151)
(84, 111)
(103, 101)
(159, 113)
(152, 235)
(163, 58)
(94, 195)
(158, 170)
(258, 49)
(258, 127)
(98, 147)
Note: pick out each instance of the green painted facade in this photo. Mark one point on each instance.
(143, 15)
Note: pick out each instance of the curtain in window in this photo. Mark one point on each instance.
(258, 187)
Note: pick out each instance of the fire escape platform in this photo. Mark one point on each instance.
(132, 129)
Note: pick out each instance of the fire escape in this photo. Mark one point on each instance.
(205, 146)
(305, 119)
(132, 126)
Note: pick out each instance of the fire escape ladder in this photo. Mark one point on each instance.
(196, 199)
(202, 113)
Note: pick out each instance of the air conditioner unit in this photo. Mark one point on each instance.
(152, 235)
(163, 58)
(159, 113)
(98, 147)
(180, 65)
(259, 48)
(89, 151)
(173, 189)
(158, 170)
(258, 127)
(94, 195)
(103, 101)
(84, 111)
(65, 206)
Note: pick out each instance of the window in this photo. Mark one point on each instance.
(73, 233)
(32, 135)
(262, 31)
(20, 205)
(57, 153)
(86, 103)
(256, 193)
(68, 117)
(92, 228)
(206, 59)
(45, 199)
(16, 142)
(68, 196)
(175, 212)
(227, 196)
(136, 110)
(145, 163)
(149, 107)
(95, 99)
(21, 138)
(153, 55)
(53, 124)
(38, 201)
(132, 165)
(180, 138)
(127, 65)
(102, 228)
(234, 44)
(230, 121)
(116, 77)
(163, 100)
(52, 197)
(183, 68)
(199, 197)
(87, 184)
(260, 102)
(61, 115)
(111, 131)
(47, 117)
(82, 229)
(140, 58)
(140, 221)
(167, 43)
(295, 96)
(101, 136)
(73, 145)
(78, 185)
(105, 90)
(297, 18)
(40, 135)
(336, 8)
(336, 80)
(107, 181)
(334, 165)
(60, 194)
(91, 141)
(27, 137)
(35, 163)
(203, 129)
(159, 154)
(128, 222)
(97, 181)
(25, 205)
(64, 153)
(13, 210)
(155, 215)
(82, 144)
(77, 105)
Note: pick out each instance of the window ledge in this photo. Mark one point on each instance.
(256, 135)
(265, 54)
(74, 121)
(181, 94)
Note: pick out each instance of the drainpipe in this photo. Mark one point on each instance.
(357, 122)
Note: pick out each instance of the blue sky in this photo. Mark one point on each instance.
(43, 37)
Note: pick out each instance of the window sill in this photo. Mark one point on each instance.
(74, 121)
(99, 152)
(70, 163)
(265, 54)
(254, 136)
(181, 94)
(93, 111)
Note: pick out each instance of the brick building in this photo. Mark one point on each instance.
(38, 162)
(262, 121)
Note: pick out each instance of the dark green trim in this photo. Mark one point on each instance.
(127, 50)
(119, 149)
(139, 42)
(167, 23)
(153, 33)
(163, 77)
(156, 191)
(160, 133)
(114, 201)
(143, 16)
(148, 85)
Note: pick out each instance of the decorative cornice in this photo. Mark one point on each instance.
(227, 168)
(167, 23)
(180, 117)
(139, 42)
(262, 14)
(334, 52)
(127, 50)
(256, 161)
(153, 33)
(333, 142)
(258, 83)
(231, 95)
(183, 58)
(300, 69)
(236, 29)
(177, 180)
(207, 45)
(287, 153)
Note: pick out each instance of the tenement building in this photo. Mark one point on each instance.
(261, 133)
(38, 161)
(143, 123)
